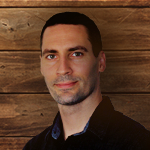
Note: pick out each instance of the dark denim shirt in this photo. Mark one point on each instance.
(107, 129)
(57, 129)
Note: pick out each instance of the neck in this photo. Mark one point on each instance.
(75, 117)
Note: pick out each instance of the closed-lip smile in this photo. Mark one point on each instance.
(65, 84)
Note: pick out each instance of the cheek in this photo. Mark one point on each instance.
(83, 69)
(90, 70)
(46, 70)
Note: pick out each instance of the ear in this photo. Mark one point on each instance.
(40, 64)
(102, 61)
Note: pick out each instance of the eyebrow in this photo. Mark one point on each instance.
(70, 49)
(77, 48)
(48, 51)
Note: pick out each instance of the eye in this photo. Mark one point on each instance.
(51, 56)
(76, 54)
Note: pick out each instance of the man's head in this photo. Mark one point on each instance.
(76, 18)
(70, 68)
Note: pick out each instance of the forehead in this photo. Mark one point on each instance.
(63, 34)
(65, 28)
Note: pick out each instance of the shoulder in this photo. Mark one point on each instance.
(38, 141)
(128, 132)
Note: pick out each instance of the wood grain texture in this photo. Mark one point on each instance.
(29, 114)
(72, 3)
(26, 114)
(13, 143)
(20, 72)
(126, 71)
(121, 29)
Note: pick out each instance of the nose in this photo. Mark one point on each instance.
(64, 67)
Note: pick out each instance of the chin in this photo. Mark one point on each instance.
(71, 101)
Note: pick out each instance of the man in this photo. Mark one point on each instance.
(71, 62)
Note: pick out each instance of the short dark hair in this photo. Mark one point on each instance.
(77, 18)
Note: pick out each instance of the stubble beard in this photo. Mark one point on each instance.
(67, 97)
(72, 99)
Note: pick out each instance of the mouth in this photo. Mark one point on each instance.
(65, 85)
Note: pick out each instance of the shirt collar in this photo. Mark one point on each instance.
(97, 124)
(101, 118)
(57, 127)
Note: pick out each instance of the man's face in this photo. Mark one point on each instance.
(68, 64)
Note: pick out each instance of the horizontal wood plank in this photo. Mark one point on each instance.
(29, 114)
(20, 72)
(26, 114)
(121, 29)
(72, 3)
(126, 71)
(13, 143)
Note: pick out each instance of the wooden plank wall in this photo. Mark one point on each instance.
(26, 108)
